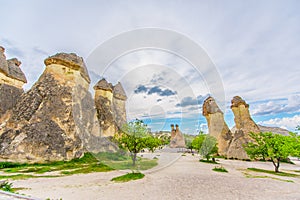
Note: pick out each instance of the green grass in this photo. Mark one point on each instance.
(101, 162)
(141, 164)
(247, 175)
(208, 161)
(25, 176)
(220, 169)
(87, 164)
(273, 172)
(105, 156)
(128, 177)
(120, 161)
(97, 167)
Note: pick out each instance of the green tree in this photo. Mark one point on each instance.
(206, 145)
(209, 147)
(197, 141)
(271, 146)
(135, 137)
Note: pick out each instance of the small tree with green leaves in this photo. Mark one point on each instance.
(206, 145)
(271, 146)
(135, 137)
(197, 141)
(209, 147)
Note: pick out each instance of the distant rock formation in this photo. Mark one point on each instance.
(177, 138)
(42, 125)
(276, 130)
(12, 80)
(110, 104)
(243, 126)
(217, 126)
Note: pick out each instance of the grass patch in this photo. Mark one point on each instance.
(141, 164)
(87, 164)
(208, 161)
(220, 169)
(247, 175)
(272, 172)
(128, 177)
(25, 176)
(98, 167)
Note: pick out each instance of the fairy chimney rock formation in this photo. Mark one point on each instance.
(243, 126)
(12, 80)
(110, 105)
(119, 105)
(42, 125)
(217, 126)
(103, 103)
(177, 138)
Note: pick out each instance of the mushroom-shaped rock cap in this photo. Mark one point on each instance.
(237, 100)
(210, 107)
(14, 70)
(119, 92)
(70, 60)
(103, 85)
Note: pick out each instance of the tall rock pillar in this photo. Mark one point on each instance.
(119, 105)
(104, 107)
(217, 126)
(243, 126)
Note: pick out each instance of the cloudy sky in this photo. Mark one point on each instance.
(254, 46)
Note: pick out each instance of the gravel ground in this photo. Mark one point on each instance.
(187, 178)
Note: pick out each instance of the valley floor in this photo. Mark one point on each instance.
(180, 177)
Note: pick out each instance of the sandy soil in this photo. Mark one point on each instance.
(187, 178)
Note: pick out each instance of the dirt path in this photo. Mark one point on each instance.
(187, 178)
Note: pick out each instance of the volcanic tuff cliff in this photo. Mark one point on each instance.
(55, 119)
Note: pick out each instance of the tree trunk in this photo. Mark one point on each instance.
(133, 159)
(276, 164)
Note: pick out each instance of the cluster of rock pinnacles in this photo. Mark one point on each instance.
(58, 119)
(230, 142)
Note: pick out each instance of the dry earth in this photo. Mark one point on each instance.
(187, 178)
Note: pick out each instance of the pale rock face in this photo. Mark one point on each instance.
(177, 138)
(110, 104)
(244, 125)
(43, 125)
(217, 126)
(12, 80)
(119, 107)
(104, 107)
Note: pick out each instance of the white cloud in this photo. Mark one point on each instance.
(254, 44)
(289, 123)
(277, 106)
